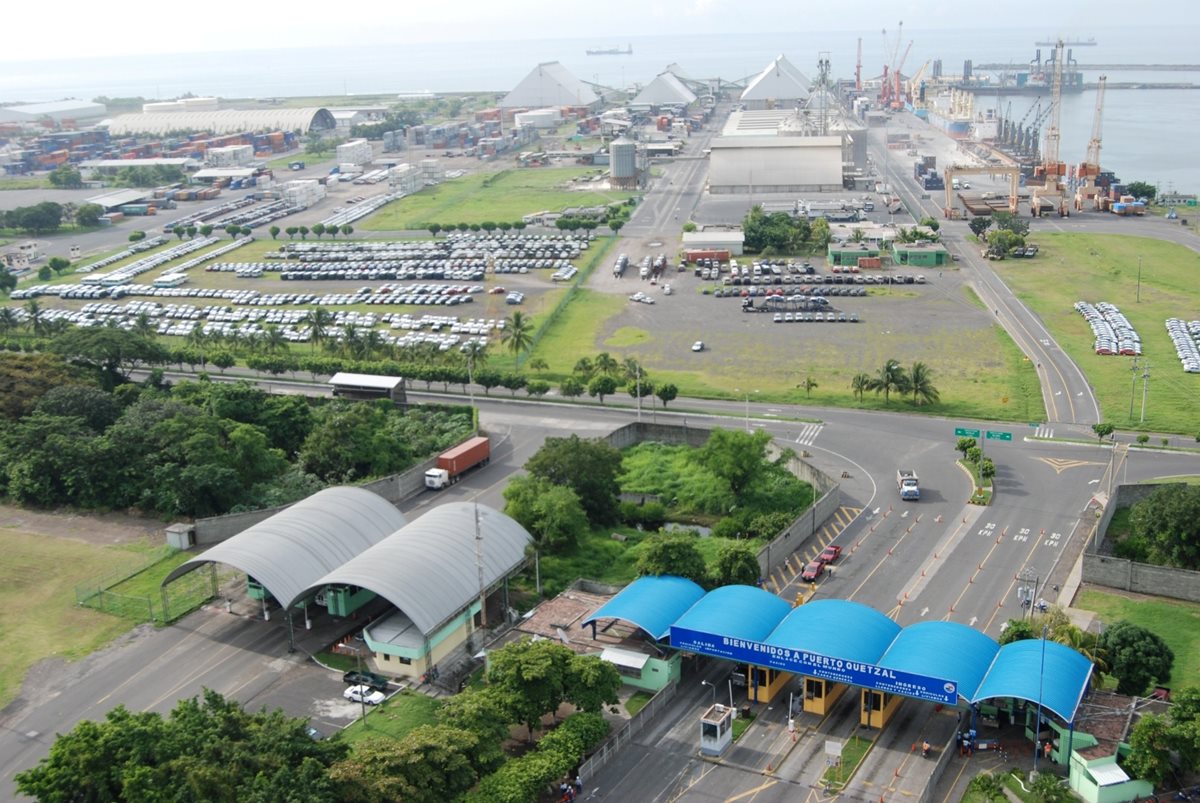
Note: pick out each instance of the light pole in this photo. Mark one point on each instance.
(1138, 297)
(1145, 384)
(1027, 583)
(1133, 371)
(747, 397)
(713, 688)
(1037, 726)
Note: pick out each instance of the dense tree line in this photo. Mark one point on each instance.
(37, 219)
(199, 448)
(1165, 528)
(212, 750)
(781, 233)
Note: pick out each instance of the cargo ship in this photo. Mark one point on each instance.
(611, 51)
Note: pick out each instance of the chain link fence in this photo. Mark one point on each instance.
(159, 606)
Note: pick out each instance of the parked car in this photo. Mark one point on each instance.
(364, 694)
(698, 345)
(370, 679)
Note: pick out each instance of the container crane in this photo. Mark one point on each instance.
(897, 95)
(1052, 171)
(885, 86)
(1089, 169)
(915, 96)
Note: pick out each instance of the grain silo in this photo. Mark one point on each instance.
(624, 167)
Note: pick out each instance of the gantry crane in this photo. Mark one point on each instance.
(914, 86)
(1052, 171)
(1089, 169)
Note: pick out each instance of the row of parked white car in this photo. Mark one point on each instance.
(1186, 337)
(1114, 334)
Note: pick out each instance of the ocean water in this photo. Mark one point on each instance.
(1148, 135)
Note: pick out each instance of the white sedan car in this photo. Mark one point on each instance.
(364, 694)
(698, 345)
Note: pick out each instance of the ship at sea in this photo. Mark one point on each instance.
(611, 51)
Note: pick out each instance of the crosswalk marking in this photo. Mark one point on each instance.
(809, 433)
(1044, 431)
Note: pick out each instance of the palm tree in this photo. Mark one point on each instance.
(143, 326)
(274, 341)
(9, 320)
(517, 334)
(860, 384)
(920, 384)
(34, 310)
(372, 342)
(319, 320)
(537, 364)
(351, 341)
(607, 365)
(890, 377)
(56, 327)
(632, 369)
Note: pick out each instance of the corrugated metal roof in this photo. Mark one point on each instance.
(550, 84)
(1108, 774)
(836, 628)
(119, 198)
(373, 381)
(223, 121)
(737, 611)
(626, 658)
(428, 569)
(1019, 671)
(942, 649)
(651, 603)
(289, 551)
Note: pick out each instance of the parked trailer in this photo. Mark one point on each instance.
(452, 464)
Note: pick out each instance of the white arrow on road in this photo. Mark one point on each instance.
(974, 619)
(924, 610)
(1093, 482)
(875, 512)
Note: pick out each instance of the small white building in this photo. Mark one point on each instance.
(731, 241)
(230, 156)
(539, 118)
(356, 152)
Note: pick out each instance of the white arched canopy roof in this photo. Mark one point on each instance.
(428, 569)
(289, 551)
(223, 121)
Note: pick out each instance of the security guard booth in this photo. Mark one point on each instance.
(765, 683)
(878, 708)
(821, 694)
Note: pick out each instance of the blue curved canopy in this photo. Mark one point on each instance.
(743, 612)
(651, 603)
(1018, 671)
(944, 649)
(837, 628)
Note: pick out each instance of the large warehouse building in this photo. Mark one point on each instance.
(57, 111)
(770, 151)
(223, 121)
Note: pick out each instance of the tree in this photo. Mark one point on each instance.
(206, 230)
(210, 747)
(1150, 744)
(859, 385)
(989, 787)
(666, 392)
(673, 554)
(318, 229)
(602, 386)
(303, 232)
(571, 388)
(537, 387)
(736, 564)
(434, 228)
(1137, 657)
(1003, 241)
(37, 219)
(591, 683)
(223, 359)
(534, 674)
(551, 513)
(488, 378)
(191, 231)
(1017, 630)
(734, 456)
(233, 230)
(274, 230)
(809, 384)
(979, 225)
(964, 444)
(920, 384)
(608, 365)
(584, 368)
(66, 177)
(137, 236)
(1103, 430)
(614, 225)
(537, 364)
(1009, 222)
(987, 468)
(1168, 521)
(291, 232)
(44, 273)
(111, 351)
(89, 215)
(891, 377)
(1142, 189)
(347, 229)
(589, 467)
(512, 382)
(429, 764)
(517, 333)
(1049, 788)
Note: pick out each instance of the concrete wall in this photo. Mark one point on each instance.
(828, 492)
(1105, 570)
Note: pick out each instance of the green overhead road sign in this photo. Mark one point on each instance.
(995, 435)
(959, 432)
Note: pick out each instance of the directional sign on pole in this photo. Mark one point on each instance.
(966, 433)
(996, 435)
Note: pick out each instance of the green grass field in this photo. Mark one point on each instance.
(1175, 621)
(504, 196)
(25, 183)
(38, 614)
(394, 718)
(1104, 267)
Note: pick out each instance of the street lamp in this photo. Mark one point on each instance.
(747, 396)
(1037, 726)
(713, 688)
(1133, 371)
(1145, 383)
(1027, 584)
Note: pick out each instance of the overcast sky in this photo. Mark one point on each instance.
(141, 26)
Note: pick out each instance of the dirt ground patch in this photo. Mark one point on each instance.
(99, 529)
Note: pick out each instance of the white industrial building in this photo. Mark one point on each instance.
(665, 90)
(182, 105)
(223, 121)
(57, 111)
(731, 241)
(550, 84)
(774, 151)
(543, 119)
(355, 152)
(779, 86)
(230, 156)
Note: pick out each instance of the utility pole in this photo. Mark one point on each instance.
(1145, 383)
(1133, 372)
(1138, 297)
